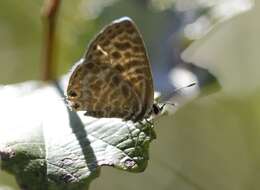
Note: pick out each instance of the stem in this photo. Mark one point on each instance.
(49, 12)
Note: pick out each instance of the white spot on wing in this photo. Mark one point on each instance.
(102, 50)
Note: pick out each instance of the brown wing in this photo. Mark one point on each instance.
(114, 79)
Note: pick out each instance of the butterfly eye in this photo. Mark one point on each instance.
(156, 109)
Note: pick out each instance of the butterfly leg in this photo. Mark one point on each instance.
(141, 129)
(149, 122)
(144, 127)
(151, 131)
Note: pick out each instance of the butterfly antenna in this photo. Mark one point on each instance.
(187, 86)
(176, 91)
(183, 87)
(166, 103)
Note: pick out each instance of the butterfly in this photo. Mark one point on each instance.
(114, 78)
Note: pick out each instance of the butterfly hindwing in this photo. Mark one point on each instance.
(114, 79)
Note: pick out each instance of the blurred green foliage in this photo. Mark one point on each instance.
(20, 36)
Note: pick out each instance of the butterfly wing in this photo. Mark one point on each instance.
(114, 78)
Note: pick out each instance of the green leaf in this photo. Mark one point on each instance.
(45, 145)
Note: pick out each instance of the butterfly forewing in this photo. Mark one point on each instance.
(114, 78)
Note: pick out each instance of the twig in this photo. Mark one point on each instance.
(49, 12)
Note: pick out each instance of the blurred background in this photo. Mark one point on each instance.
(210, 143)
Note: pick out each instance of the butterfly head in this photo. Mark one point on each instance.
(157, 109)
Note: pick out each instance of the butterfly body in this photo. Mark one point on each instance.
(114, 77)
